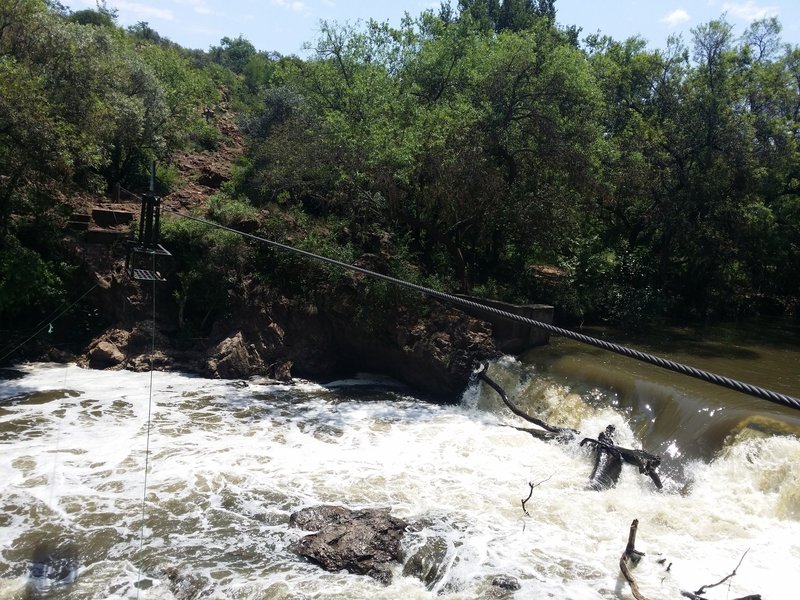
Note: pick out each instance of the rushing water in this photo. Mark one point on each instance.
(229, 462)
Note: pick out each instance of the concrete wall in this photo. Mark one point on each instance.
(512, 337)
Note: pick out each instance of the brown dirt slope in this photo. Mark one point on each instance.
(202, 173)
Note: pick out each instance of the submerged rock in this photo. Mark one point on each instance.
(503, 587)
(186, 585)
(8, 374)
(506, 582)
(427, 562)
(52, 567)
(359, 541)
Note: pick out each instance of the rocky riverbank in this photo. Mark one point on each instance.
(287, 338)
(275, 336)
(263, 330)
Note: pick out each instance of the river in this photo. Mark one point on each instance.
(230, 461)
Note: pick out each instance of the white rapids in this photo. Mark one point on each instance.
(228, 464)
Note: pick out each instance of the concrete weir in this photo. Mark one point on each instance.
(512, 337)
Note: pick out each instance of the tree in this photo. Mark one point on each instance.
(472, 140)
(508, 15)
(102, 17)
(143, 31)
(233, 53)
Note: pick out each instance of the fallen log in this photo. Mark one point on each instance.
(608, 456)
(607, 460)
(646, 463)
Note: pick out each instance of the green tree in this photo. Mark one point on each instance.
(233, 53)
(469, 141)
(80, 104)
(102, 17)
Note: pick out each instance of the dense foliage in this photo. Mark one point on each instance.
(614, 180)
(84, 105)
(482, 148)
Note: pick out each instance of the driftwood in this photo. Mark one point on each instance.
(532, 486)
(550, 431)
(631, 557)
(608, 456)
(698, 595)
(607, 460)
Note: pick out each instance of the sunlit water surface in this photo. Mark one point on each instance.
(229, 462)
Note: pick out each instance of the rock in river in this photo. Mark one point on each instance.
(359, 541)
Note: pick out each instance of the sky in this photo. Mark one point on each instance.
(284, 26)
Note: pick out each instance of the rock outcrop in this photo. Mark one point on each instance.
(288, 338)
(363, 542)
(232, 359)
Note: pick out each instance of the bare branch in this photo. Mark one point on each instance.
(560, 431)
(698, 595)
(533, 485)
(632, 556)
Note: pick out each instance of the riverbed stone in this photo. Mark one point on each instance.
(233, 358)
(427, 562)
(506, 582)
(105, 354)
(363, 542)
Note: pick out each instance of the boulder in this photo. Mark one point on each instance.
(361, 541)
(211, 178)
(281, 371)
(105, 354)
(506, 582)
(232, 359)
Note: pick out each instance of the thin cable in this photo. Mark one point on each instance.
(47, 322)
(58, 441)
(147, 444)
(720, 380)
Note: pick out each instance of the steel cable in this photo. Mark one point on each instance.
(720, 380)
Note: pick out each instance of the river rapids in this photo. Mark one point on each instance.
(228, 463)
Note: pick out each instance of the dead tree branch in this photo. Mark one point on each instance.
(646, 463)
(698, 595)
(724, 579)
(533, 485)
(559, 432)
(631, 556)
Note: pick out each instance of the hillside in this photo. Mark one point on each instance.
(262, 331)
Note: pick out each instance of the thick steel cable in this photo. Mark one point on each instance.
(720, 380)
